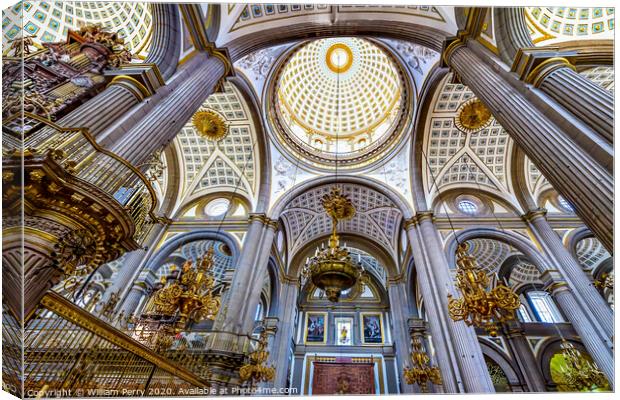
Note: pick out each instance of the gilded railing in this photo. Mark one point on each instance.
(79, 153)
(68, 352)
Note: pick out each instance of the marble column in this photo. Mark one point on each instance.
(522, 353)
(601, 352)
(135, 295)
(573, 273)
(459, 356)
(287, 307)
(132, 264)
(244, 293)
(152, 127)
(572, 171)
(558, 78)
(397, 293)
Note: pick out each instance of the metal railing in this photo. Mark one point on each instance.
(68, 352)
(78, 152)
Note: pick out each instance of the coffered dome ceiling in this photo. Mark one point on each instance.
(339, 98)
(50, 21)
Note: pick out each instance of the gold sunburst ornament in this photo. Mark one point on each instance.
(210, 125)
(478, 306)
(472, 116)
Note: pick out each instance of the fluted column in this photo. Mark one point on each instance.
(132, 264)
(248, 278)
(574, 173)
(286, 330)
(553, 73)
(580, 284)
(153, 127)
(521, 351)
(458, 353)
(601, 352)
(397, 293)
(135, 295)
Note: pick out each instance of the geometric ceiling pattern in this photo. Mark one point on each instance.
(193, 251)
(549, 25)
(255, 13)
(376, 217)
(475, 159)
(602, 76)
(590, 253)
(491, 254)
(47, 21)
(225, 165)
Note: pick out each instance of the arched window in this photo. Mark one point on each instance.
(543, 307)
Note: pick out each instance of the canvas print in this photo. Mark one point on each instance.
(205, 199)
(372, 328)
(315, 328)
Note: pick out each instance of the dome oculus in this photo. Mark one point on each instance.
(339, 98)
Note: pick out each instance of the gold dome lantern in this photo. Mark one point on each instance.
(332, 269)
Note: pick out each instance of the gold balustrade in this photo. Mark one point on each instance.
(78, 152)
(68, 352)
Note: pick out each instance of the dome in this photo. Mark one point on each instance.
(50, 21)
(339, 99)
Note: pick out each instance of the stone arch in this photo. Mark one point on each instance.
(184, 238)
(431, 85)
(264, 155)
(371, 183)
(520, 243)
(490, 350)
(166, 42)
(274, 303)
(511, 32)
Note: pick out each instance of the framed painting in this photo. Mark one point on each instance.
(372, 328)
(344, 331)
(316, 328)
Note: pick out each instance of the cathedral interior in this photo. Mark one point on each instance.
(304, 199)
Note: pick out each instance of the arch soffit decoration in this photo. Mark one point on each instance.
(283, 23)
(171, 245)
(526, 247)
(361, 242)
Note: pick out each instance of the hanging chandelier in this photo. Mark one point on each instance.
(579, 373)
(332, 269)
(256, 370)
(478, 306)
(191, 295)
(421, 371)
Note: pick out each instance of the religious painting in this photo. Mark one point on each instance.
(372, 328)
(344, 331)
(316, 324)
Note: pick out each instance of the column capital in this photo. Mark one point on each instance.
(534, 64)
(417, 326)
(263, 219)
(531, 215)
(553, 281)
(420, 216)
(142, 80)
(396, 280)
(271, 325)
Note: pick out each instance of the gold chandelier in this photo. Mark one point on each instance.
(421, 372)
(332, 269)
(256, 370)
(479, 306)
(579, 373)
(191, 295)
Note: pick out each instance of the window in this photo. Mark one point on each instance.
(468, 207)
(522, 314)
(544, 307)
